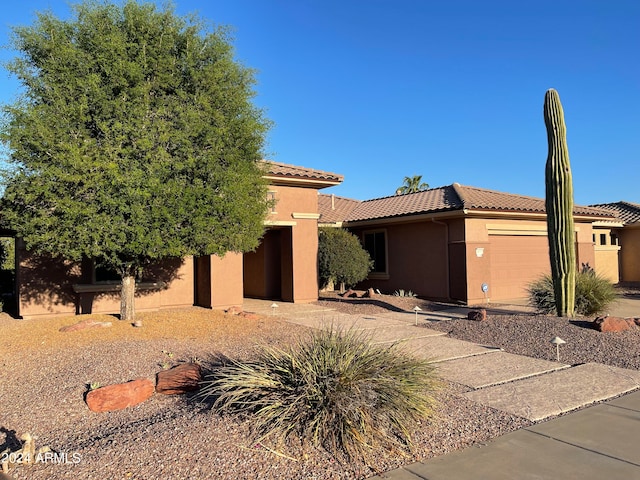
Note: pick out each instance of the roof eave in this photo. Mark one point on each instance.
(302, 182)
(408, 218)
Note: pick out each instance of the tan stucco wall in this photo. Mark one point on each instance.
(630, 253)
(48, 294)
(606, 261)
(479, 249)
(52, 294)
(296, 212)
(416, 259)
(285, 264)
(226, 280)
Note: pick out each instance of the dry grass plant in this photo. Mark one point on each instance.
(334, 389)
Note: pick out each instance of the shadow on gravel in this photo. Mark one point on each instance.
(210, 373)
(582, 323)
(11, 441)
(364, 301)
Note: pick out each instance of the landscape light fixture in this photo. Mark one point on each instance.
(557, 341)
(273, 308)
(417, 309)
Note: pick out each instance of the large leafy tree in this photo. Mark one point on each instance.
(412, 184)
(134, 140)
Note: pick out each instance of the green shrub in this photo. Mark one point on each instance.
(335, 390)
(593, 293)
(341, 257)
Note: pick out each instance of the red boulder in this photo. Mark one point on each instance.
(120, 395)
(178, 380)
(613, 324)
(479, 315)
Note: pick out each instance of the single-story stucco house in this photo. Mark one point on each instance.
(450, 243)
(455, 242)
(284, 266)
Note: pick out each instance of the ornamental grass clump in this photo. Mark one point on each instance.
(593, 294)
(335, 390)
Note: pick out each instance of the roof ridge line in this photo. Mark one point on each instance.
(338, 196)
(405, 194)
(457, 188)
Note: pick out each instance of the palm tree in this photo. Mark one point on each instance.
(412, 185)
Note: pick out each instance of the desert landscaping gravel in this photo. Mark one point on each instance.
(44, 375)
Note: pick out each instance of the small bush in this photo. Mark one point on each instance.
(341, 258)
(336, 390)
(404, 293)
(593, 294)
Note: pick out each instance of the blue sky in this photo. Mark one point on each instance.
(451, 90)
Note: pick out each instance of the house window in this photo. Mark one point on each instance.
(614, 239)
(603, 239)
(105, 274)
(376, 244)
(594, 238)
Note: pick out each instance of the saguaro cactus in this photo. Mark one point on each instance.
(559, 206)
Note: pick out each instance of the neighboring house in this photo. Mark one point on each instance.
(283, 267)
(446, 243)
(625, 237)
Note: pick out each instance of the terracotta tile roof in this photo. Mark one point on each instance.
(455, 197)
(293, 171)
(628, 212)
(428, 201)
(334, 209)
(482, 199)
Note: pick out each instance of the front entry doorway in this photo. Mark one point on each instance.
(268, 272)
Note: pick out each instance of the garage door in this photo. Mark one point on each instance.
(516, 260)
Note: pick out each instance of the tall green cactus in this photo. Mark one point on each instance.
(559, 206)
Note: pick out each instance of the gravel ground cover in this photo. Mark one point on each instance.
(523, 334)
(44, 375)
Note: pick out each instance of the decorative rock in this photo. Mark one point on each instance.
(249, 315)
(613, 324)
(479, 315)
(178, 380)
(120, 395)
(84, 325)
(370, 293)
(351, 294)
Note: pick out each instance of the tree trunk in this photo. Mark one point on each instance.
(127, 297)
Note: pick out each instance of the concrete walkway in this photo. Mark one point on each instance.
(594, 443)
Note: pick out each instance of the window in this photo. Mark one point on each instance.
(105, 274)
(603, 239)
(614, 239)
(376, 244)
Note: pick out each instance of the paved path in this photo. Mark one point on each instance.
(594, 443)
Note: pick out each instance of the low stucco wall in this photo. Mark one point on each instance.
(46, 288)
